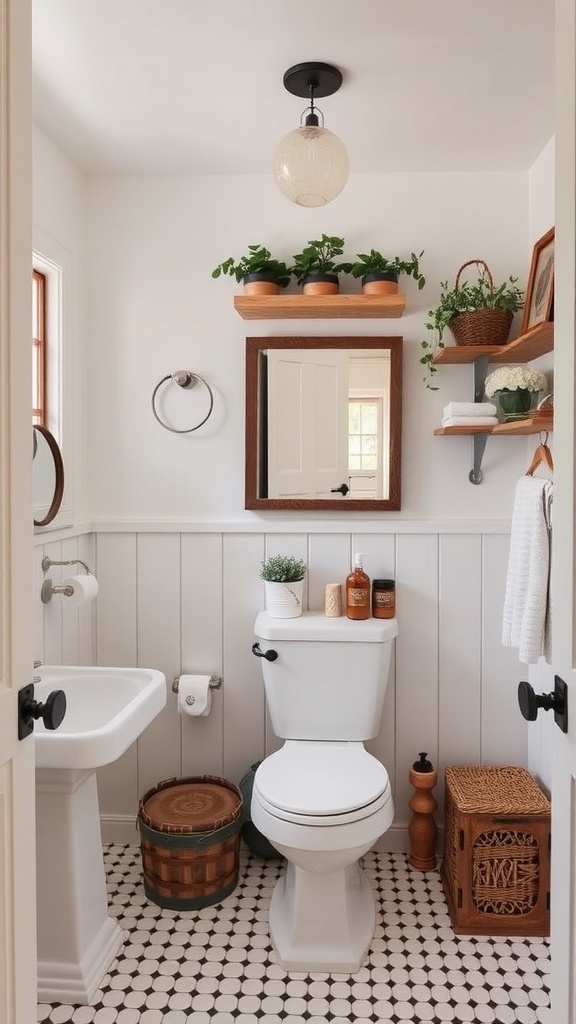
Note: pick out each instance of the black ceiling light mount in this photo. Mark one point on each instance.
(311, 163)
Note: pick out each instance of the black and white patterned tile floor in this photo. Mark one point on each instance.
(216, 965)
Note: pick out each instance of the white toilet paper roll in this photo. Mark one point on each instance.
(84, 588)
(194, 696)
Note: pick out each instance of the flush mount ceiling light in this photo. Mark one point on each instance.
(311, 163)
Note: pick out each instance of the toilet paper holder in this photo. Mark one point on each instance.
(49, 588)
(214, 684)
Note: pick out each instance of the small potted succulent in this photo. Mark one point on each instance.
(380, 274)
(259, 271)
(283, 577)
(480, 313)
(513, 389)
(316, 267)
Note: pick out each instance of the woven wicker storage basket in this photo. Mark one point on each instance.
(190, 841)
(496, 864)
(481, 326)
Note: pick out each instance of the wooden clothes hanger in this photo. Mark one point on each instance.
(542, 456)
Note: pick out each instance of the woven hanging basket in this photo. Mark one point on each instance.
(481, 326)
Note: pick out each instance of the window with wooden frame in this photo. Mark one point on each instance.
(39, 350)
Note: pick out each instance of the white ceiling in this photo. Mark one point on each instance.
(190, 87)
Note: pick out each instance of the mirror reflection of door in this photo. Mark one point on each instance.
(307, 422)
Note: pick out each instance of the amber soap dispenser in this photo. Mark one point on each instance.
(358, 591)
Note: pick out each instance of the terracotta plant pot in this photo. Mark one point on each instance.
(321, 284)
(380, 284)
(260, 284)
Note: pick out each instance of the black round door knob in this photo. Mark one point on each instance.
(531, 702)
(51, 712)
(343, 489)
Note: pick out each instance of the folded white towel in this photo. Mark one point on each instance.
(470, 409)
(469, 421)
(526, 614)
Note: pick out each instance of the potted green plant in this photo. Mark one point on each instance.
(259, 271)
(316, 267)
(380, 274)
(478, 313)
(283, 577)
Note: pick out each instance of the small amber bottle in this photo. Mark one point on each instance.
(383, 599)
(358, 592)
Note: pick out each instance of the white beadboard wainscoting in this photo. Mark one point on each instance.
(184, 599)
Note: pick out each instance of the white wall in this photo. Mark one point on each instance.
(154, 308)
(176, 554)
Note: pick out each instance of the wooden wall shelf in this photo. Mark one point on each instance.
(319, 307)
(536, 342)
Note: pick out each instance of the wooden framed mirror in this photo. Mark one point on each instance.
(323, 423)
(48, 476)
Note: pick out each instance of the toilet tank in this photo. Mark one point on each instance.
(330, 677)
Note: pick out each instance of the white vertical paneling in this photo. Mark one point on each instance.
(53, 650)
(201, 650)
(187, 603)
(116, 621)
(87, 612)
(70, 614)
(243, 693)
(329, 562)
(158, 588)
(380, 563)
(416, 658)
(460, 654)
(504, 731)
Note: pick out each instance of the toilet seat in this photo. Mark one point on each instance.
(316, 783)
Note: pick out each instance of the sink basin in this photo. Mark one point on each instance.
(107, 709)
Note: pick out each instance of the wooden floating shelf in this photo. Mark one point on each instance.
(319, 307)
(517, 428)
(536, 342)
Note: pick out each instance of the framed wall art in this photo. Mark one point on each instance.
(538, 307)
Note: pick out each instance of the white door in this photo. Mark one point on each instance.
(307, 422)
(563, 888)
(17, 831)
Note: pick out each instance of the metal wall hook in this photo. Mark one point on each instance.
(184, 379)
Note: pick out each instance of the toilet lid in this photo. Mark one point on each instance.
(307, 778)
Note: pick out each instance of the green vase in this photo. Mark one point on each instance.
(515, 405)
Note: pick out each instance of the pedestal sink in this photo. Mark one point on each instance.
(107, 709)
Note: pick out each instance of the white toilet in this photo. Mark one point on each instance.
(322, 800)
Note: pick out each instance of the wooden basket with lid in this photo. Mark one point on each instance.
(190, 841)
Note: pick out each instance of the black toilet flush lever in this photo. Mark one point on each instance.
(557, 701)
(269, 655)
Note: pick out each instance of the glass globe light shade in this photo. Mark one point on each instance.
(311, 166)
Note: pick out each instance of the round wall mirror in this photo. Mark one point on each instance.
(48, 476)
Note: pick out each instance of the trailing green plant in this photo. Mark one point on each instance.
(319, 257)
(374, 262)
(465, 298)
(283, 569)
(258, 260)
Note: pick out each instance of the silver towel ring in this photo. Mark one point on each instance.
(184, 379)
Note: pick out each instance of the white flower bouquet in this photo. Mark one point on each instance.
(514, 378)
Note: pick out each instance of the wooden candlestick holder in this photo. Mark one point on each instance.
(422, 829)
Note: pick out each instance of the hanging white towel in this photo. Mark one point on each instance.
(526, 615)
(470, 409)
(469, 421)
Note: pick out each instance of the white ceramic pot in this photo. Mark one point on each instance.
(284, 600)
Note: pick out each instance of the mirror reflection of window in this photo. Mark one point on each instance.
(365, 442)
(39, 349)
